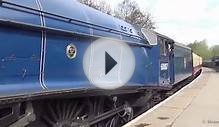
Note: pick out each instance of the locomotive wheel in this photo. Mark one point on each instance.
(82, 112)
(73, 113)
(120, 118)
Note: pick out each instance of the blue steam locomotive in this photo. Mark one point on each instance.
(41, 84)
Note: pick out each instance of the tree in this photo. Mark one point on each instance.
(215, 51)
(100, 5)
(201, 48)
(130, 12)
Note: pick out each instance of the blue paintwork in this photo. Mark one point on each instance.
(63, 73)
(72, 76)
(29, 64)
(20, 52)
(18, 14)
(165, 77)
(76, 10)
(182, 62)
(19, 61)
(22, 49)
(179, 62)
(60, 71)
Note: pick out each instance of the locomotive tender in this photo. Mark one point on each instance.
(42, 84)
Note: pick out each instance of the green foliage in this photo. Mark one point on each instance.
(215, 50)
(201, 48)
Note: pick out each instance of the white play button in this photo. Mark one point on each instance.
(109, 64)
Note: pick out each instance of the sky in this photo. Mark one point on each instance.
(183, 20)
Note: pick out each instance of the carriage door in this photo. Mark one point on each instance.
(165, 62)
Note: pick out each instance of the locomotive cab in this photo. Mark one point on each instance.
(165, 48)
(166, 70)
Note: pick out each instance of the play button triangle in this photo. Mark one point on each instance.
(109, 63)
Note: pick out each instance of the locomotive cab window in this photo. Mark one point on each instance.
(163, 47)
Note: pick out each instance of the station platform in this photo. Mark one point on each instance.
(195, 105)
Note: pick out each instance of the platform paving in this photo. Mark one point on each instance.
(196, 105)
